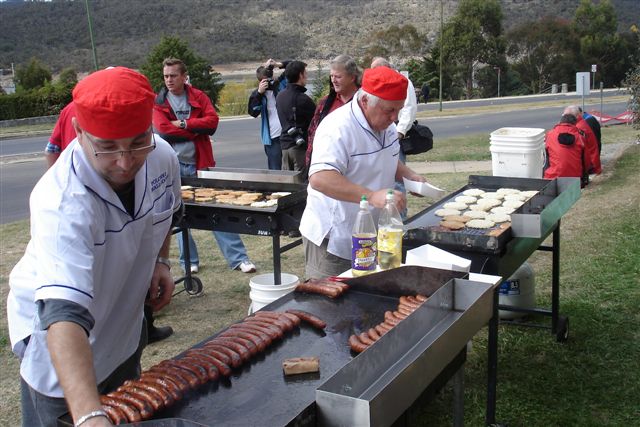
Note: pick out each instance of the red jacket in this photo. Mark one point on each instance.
(591, 146)
(202, 122)
(565, 152)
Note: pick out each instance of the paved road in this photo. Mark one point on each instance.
(236, 145)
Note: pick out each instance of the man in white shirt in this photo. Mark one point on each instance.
(100, 226)
(355, 153)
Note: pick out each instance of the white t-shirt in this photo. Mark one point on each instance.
(345, 142)
(275, 129)
(87, 249)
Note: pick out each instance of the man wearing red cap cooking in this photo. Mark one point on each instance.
(100, 225)
(355, 153)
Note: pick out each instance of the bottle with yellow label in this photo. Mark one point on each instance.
(363, 242)
(389, 235)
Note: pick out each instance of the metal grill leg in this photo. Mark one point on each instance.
(458, 397)
(555, 279)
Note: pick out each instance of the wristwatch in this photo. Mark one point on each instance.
(183, 124)
(165, 261)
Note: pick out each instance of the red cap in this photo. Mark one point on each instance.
(114, 103)
(385, 83)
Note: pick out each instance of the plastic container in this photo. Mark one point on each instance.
(518, 291)
(363, 242)
(389, 235)
(264, 291)
(517, 152)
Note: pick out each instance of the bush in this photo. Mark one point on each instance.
(632, 82)
(47, 101)
(32, 76)
(234, 97)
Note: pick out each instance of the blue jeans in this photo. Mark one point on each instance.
(230, 244)
(400, 184)
(274, 154)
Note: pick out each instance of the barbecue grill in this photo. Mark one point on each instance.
(500, 251)
(408, 358)
(284, 217)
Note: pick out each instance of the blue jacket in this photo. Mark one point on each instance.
(258, 104)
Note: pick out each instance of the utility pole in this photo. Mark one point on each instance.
(441, 48)
(498, 68)
(93, 45)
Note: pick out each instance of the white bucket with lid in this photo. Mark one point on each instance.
(519, 291)
(517, 152)
(264, 291)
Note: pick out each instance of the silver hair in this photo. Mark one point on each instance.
(574, 110)
(381, 62)
(347, 63)
(372, 100)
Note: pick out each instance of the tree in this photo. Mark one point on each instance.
(543, 53)
(33, 76)
(395, 44)
(68, 78)
(201, 74)
(320, 83)
(600, 44)
(632, 82)
(471, 38)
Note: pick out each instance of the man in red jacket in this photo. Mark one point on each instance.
(565, 151)
(592, 153)
(184, 116)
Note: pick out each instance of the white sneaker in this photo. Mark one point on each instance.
(193, 269)
(246, 266)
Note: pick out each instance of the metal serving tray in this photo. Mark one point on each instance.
(378, 385)
(256, 175)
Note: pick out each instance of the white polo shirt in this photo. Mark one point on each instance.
(345, 142)
(87, 249)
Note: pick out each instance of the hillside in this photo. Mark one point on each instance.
(227, 31)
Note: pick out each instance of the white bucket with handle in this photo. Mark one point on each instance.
(264, 290)
(517, 152)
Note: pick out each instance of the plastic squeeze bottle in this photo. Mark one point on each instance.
(363, 242)
(389, 235)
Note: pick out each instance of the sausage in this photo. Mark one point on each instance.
(223, 368)
(129, 411)
(309, 318)
(399, 315)
(205, 361)
(190, 365)
(116, 416)
(276, 316)
(238, 348)
(248, 345)
(390, 318)
(282, 324)
(414, 300)
(223, 353)
(295, 319)
(248, 335)
(163, 381)
(356, 345)
(153, 388)
(272, 333)
(421, 298)
(185, 379)
(155, 400)
(373, 334)
(267, 323)
(405, 301)
(316, 288)
(389, 325)
(364, 337)
(404, 310)
(144, 407)
(380, 329)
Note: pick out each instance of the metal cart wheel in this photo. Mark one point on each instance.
(193, 286)
(562, 334)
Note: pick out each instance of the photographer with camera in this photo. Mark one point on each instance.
(262, 102)
(295, 110)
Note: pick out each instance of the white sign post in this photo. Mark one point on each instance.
(583, 84)
(594, 69)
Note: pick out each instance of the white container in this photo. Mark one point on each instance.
(264, 291)
(517, 152)
(519, 291)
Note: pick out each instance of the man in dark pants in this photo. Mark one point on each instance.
(295, 111)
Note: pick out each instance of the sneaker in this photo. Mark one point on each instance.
(246, 266)
(194, 269)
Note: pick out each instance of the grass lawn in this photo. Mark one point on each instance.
(591, 380)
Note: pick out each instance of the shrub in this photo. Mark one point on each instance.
(234, 97)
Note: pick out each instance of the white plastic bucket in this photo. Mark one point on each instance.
(517, 152)
(264, 291)
(519, 291)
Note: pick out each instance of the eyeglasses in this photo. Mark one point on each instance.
(117, 154)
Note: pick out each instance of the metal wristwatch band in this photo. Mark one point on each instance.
(165, 261)
(93, 414)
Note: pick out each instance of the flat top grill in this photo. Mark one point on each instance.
(260, 394)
